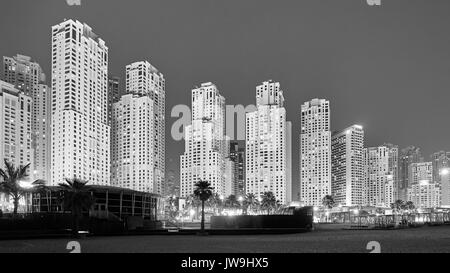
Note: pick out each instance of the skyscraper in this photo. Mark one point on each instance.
(315, 152)
(27, 76)
(230, 178)
(144, 79)
(380, 175)
(15, 131)
(23, 73)
(267, 153)
(132, 153)
(440, 161)
(423, 191)
(420, 172)
(445, 187)
(393, 167)
(205, 147)
(407, 156)
(237, 157)
(424, 194)
(80, 130)
(15, 124)
(347, 166)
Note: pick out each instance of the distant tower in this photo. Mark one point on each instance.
(347, 171)
(267, 152)
(380, 175)
(422, 190)
(27, 76)
(114, 95)
(237, 155)
(315, 152)
(15, 124)
(407, 156)
(445, 187)
(440, 160)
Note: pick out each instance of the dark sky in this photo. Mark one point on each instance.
(386, 68)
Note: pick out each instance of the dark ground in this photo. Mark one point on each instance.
(325, 239)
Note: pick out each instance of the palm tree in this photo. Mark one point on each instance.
(76, 198)
(231, 202)
(203, 191)
(215, 202)
(11, 182)
(398, 205)
(410, 206)
(193, 201)
(268, 201)
(328, 202)
(251, 201)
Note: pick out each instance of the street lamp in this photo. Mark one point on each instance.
(356, 212)
(192, 213)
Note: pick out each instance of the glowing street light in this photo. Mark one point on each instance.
(445, 171)
(25, 184)
(240, 199)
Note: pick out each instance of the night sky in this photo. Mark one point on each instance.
(386, 68)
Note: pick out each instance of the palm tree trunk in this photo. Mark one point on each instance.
(203, 216)
(16, 205)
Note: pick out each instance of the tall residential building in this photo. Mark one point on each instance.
(267, 155)
(114, 96)
(15, 124)
(380, 175)
(80, 130)
(347, 166)
(144, 79)
(15, 131)
(407, 156)
(205, 142)
(420, 172)
(423, 190)
(132, 153)
(27, 76)
(424, 195)
(315, 152)
(230, 178)
(237, 156)
(23, 73)
(440, 160)
(393, 167)
(445, 187)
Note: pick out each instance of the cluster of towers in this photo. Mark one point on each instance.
(80, 124)
(83, 126)
(336, 163)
